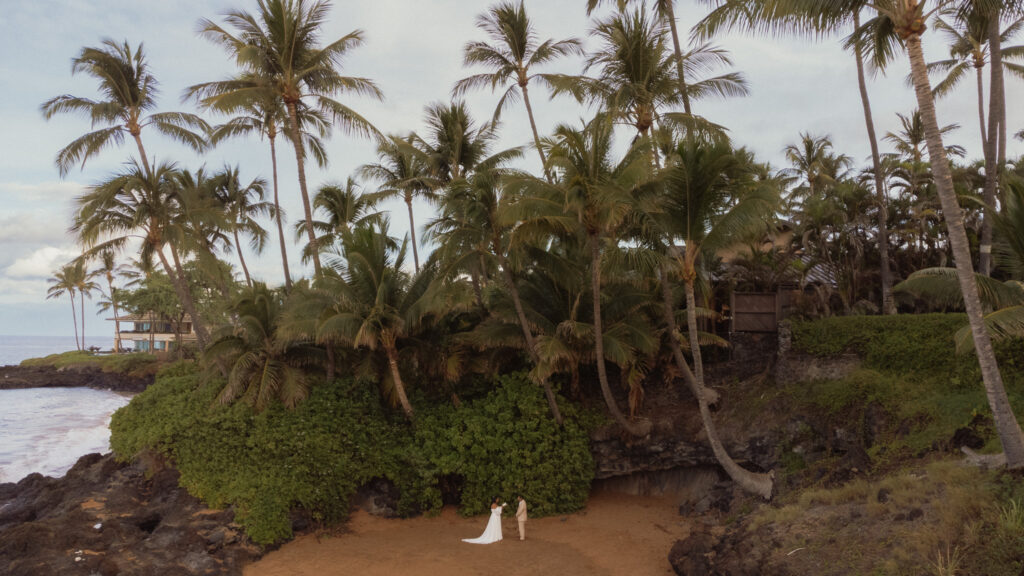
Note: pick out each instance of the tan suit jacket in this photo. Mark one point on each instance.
(521, 511)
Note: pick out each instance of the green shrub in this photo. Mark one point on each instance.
(132, 364)
(316, 456)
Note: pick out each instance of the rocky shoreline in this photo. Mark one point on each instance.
(15, 377)
(110, 518)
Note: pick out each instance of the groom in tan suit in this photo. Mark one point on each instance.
(521, 517)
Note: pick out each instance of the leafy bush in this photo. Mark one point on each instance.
(316, 456)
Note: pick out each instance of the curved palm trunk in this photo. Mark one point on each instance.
(396, 377)
(277, 208)
(670, 15)
(184, 294)
(760, 484)
(241, 258)
(531, 346)
(536, 136)
(691, 325)
(293, 122)
(412, 232)
(1002, 414)
(602, 373)
(74, 319)
(888, 304)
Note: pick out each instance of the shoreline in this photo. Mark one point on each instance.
(21, 377)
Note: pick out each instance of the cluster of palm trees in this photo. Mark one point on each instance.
(605, 258)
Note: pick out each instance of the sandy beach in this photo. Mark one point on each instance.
(614, 535)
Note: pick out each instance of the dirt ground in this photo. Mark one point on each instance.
(614, 535)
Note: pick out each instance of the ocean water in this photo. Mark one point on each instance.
(46, 430)
(14, 349)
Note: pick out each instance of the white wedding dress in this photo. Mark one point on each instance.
(492, 533)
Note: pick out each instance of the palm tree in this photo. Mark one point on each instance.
(456, 144)
(129, 91)
(511, 57)
(478, 220)
(600, 199)
(402, 171)
(135, 203)
(64, 281)
(711, 201)
(243, 203)
(264, 365)
(375, 303)
(109, 269)
(911, 139)
(344, 207)
(906, 18)
(279, 50)
(814, 165)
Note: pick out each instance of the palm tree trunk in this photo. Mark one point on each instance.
(602, 373)
(760, 484)
(117, 319)
(691, 325)
(184, 294)
(670, 15)
(1002, 414)
(142, 153)
(981, 109)
(241, 259)
(531, 346)
(536, 136)
(992, 146)
(74, 319)
(293, 122)
(81, 294)
(412, 233)
(331, 362)
(396, 377)
(278, 218)
(888, 304)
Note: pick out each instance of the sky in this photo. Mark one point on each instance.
(413, 51)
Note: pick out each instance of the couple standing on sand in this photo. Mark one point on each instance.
(492, 533)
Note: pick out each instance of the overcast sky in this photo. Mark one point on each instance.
(413, 51)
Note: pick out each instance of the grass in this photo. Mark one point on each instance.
(132, 364)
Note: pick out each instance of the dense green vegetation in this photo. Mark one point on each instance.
(315, 456)
(912, 371)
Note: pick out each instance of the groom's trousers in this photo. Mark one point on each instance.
(522, 529)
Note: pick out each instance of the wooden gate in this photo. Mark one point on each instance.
(755, 311)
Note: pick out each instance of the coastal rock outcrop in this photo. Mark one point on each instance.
(109, 518)
(14, 377)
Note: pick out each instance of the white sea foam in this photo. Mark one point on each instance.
(46, 430)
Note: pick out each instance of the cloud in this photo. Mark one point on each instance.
(40, 264)
(28, 228)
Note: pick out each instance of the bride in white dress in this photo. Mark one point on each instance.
(492, 533)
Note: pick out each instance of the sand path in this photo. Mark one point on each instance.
(614, 535)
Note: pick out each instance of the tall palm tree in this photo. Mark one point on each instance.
(129, 93)
(279, 49)
(376, 303)
(600, 198)
(64, 281)
(813, 165)
(511, 56)
(109, 268)
(402, 171)
(150, 207)
(243, 203)
(454, 144)
(264, 365)
(907, 20)
(910, 140)
(711, 201)
(477, 220)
